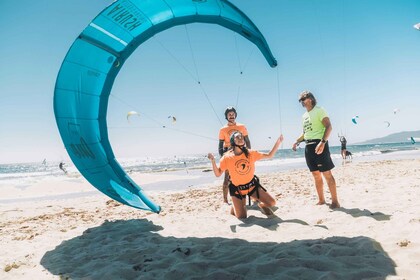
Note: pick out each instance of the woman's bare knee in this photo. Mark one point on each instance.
(267, 199)
(272, 202)
(241, 216)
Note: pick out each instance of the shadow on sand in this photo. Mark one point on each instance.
(271, 224)
(132, 249)
(356, 212)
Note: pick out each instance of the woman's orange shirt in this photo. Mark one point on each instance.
(241, 168)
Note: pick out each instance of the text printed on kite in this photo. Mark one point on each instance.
(94, 60)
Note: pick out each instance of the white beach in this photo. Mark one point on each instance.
(64, 229)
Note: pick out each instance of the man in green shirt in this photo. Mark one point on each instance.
(316, 130)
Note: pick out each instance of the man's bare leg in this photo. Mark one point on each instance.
(333, 188)
(319, 184)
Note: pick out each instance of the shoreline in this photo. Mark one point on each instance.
(166, 181)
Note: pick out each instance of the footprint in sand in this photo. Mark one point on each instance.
(404, 243)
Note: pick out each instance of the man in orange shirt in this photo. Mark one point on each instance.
(224, 141)
(240, 162)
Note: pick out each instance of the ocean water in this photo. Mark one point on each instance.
(24, 174)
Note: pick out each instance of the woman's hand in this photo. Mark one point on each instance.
(216, 169)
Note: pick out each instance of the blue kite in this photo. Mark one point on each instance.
(94, 60)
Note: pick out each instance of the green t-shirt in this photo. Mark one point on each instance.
(312, 123)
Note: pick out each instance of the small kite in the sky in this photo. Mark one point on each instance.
(417, 26)
(396, 110)
(387, 123)
(354, 119)
(173, 119)
(131, 113)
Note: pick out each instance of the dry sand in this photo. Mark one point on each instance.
(374, 235)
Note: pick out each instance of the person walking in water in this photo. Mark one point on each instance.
(240, 162)
(316, 131)
(224, 141)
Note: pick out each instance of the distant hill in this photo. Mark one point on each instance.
(394, 138)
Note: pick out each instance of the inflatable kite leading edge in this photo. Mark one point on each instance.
(89, 69)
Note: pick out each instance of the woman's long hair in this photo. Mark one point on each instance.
(244, 149)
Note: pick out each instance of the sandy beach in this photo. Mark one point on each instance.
(374, 235)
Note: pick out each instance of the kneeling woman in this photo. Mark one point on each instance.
(240, 162)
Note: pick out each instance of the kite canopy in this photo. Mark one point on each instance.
(131, 113)
(89, 69)
(172, 118)
(354, 119)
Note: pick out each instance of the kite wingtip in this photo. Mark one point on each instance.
(157, 211)
(274, 64)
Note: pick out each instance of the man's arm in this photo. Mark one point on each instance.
(221, 147)
(298, 140)
(328, 128)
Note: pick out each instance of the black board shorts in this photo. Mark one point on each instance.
(322, 162)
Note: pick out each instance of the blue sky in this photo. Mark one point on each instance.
(359, 57)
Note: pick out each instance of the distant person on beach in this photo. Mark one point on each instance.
(343, 141)
(316, 130)
(240, 162)
(224, 141)
(61, 166)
